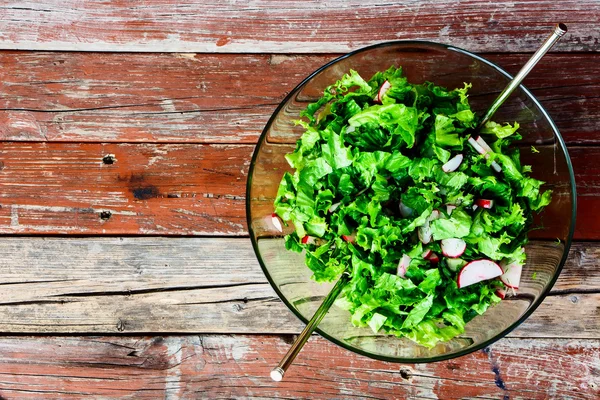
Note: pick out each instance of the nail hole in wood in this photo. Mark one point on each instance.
(105, 215)
(288, 339)
(405, 373)
(109, 159)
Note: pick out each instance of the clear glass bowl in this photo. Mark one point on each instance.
(447, 66)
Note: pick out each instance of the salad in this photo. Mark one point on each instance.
(429, 221)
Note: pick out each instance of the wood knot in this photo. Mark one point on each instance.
(452, 366)
(146, 192)
(289, 339)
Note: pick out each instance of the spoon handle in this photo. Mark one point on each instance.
(278, 372)
(558, 32)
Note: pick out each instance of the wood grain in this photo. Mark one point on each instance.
(205, 109)
(292, 26)
(149, 97)
(148, 189)
(168, 189)
(213, 285)
(219, 98)
(223, 366)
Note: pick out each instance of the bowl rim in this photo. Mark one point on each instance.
(446, 356)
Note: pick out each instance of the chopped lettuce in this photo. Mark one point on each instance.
(501, 131)
(362, 156)
(458, 225)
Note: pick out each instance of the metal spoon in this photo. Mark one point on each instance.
(278, 372)
(559, 30)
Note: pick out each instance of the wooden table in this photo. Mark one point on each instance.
(127, 130)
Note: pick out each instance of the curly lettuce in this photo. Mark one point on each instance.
(367, 153)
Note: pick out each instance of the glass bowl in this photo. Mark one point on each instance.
(446, 66)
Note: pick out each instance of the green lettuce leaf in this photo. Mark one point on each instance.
(501, 131)
(418, 312)
(458, 225)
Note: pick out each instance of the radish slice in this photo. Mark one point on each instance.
(453, 163)
(455, 263)
(334, 207)
(276, 223)
(477, 271)
(485, 203)
(425, 233)
(308, 240)
(349, 238)
(431, 256)
(424, 230)
(403, 265)
(434, 258)
(453, 247)
(450, 208)
(484, 144)
(512, 275)
(384, 88)
(478, 148)
(405, 211)
(496, 166)
(501, 293)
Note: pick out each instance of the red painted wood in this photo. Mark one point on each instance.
(211, 366)
(166, 189)
(199, 189)
(211, 98)
(148, 189)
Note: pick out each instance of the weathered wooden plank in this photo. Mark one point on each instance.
(149, 97)
(222, 366)
(166, 189)
(144, 188)
(573, 104)
(139, 285)
(218, 98)
(292, 26)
